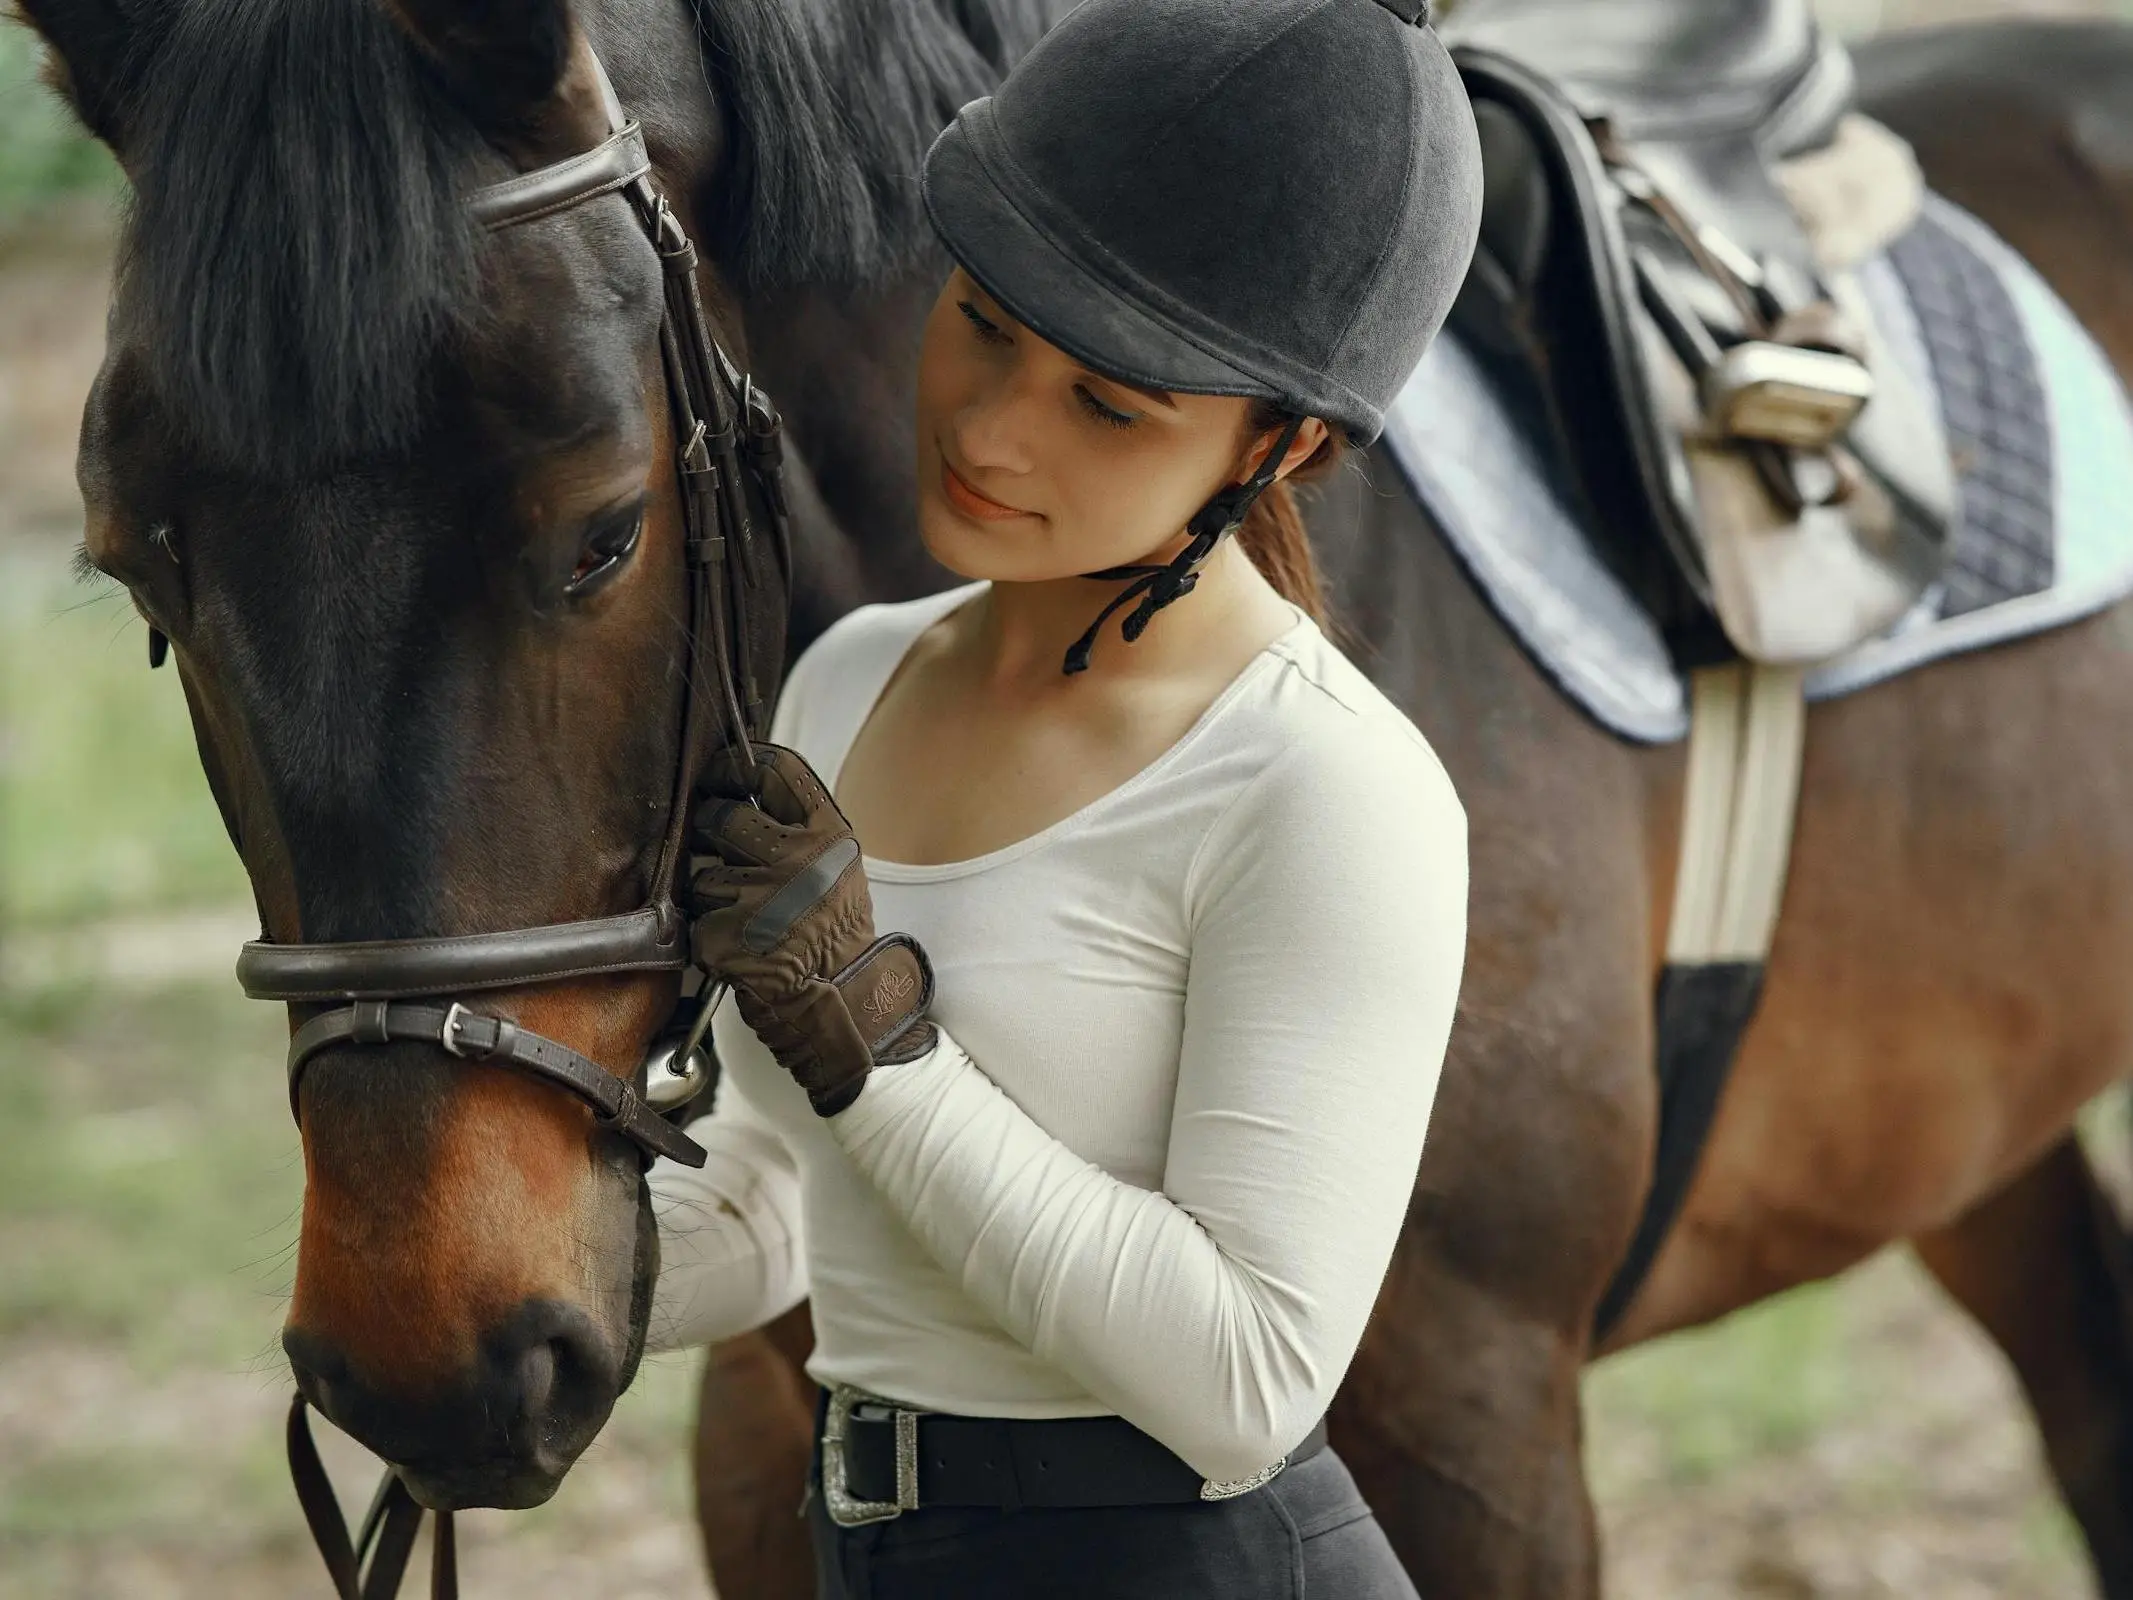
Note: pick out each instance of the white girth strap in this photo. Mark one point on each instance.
(1746, 732)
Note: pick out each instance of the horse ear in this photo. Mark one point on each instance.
(504, 59)
(89, 44)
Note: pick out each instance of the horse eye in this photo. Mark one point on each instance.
(610, 544)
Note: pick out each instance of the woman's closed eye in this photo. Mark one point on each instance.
(989, 331)
(1109, 416)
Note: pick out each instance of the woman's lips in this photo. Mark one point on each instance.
(971, 502)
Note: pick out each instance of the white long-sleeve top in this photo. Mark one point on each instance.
(1190, 1036)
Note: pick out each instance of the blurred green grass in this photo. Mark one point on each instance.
(43, 155)
(103, 808)
(1764, 1381)
(145, 1196)
(148, 1191)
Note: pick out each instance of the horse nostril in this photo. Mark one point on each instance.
(501, 1431)
(316, 1364)
(537, 1370)
(555, 1372)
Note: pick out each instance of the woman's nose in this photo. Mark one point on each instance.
(994, 431)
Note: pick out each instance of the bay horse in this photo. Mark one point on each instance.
(338, 441)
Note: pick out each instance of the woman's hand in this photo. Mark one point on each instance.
(783, 915)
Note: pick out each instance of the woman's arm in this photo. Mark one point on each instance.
(730, 1242)
(1329, 925)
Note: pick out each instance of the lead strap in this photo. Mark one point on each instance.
(369, 1566)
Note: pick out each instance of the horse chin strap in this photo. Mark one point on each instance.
(1157, 586)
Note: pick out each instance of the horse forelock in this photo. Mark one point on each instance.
(297, 248)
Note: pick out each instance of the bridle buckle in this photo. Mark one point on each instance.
(455, 1021)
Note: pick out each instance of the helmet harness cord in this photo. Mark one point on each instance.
(1156, 586)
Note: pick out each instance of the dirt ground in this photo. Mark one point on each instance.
(1850, 1441)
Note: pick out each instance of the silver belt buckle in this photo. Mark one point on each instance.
(837, 1499)
(1229, 1489)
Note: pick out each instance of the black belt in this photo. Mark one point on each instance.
(1003, 1464)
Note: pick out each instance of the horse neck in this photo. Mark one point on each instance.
(844, 368)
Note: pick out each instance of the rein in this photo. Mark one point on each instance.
(727, 437)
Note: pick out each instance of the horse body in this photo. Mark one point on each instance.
(1945, 992)
(1946, 989)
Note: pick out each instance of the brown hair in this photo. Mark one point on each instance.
(1273, 533)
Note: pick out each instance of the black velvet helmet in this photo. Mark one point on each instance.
(1270, 198)
(1276, 198)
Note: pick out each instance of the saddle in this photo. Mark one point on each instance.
(1723, 396)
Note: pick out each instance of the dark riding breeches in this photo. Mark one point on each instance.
(1305, 1536)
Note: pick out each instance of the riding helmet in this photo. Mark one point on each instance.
(1274, 198)
(1269, 198)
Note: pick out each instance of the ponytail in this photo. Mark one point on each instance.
(1273, 534)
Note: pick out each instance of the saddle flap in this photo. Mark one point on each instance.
(1726, 400)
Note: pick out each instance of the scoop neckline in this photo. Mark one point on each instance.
(885, 871)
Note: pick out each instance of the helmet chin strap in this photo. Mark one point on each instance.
(1156, 586)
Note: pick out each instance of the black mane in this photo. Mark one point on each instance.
(835, 103)
(298, 249)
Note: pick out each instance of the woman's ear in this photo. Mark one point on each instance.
(91, 46)
(1305, 445)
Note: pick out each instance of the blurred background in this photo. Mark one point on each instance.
(1851, 1439)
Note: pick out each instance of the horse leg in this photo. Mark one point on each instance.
(2046, 1268)
(755, 1422)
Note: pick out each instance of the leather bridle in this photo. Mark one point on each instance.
(384, 990)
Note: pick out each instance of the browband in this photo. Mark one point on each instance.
(650, 940)
(615, 163)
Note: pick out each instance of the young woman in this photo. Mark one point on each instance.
(1094, 1168)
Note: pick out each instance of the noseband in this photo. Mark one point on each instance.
(408, 989)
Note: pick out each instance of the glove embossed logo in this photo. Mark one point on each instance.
(889, 995)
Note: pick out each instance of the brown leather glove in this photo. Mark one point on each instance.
(783, 914)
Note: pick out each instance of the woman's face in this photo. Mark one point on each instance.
(1031, 466)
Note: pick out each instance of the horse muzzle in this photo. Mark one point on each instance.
(503, 1433)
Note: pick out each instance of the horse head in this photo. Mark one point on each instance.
(400, 492)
